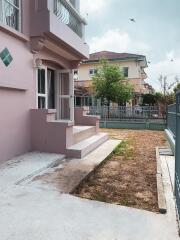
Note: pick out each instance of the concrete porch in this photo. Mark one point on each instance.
(40, 211)
(73, 138)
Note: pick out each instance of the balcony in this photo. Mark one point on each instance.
(61, 25)
(67, 14)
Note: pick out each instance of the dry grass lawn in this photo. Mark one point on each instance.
(129, 176)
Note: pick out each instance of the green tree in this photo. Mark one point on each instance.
(168, 99)
(177, 88)
(110, 85)
(149, 99)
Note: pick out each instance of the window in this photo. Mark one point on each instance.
(126, 71)
(41, 89)
(6, 57)
(75, 73)
(10, 13)
(92, 72)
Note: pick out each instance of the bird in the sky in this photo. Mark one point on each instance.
(172, 60)
(149, 62)
(132, 20)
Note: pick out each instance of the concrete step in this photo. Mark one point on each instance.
(81, 133)
(81, 149)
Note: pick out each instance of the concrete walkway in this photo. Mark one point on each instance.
(26, 166)
(36, 211)
(72, 171)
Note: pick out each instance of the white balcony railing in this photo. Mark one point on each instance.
(67, 14)
(10, 13)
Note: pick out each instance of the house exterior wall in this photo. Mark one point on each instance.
(17, 96)
(18, 80)
(134, 76)
(134, 70)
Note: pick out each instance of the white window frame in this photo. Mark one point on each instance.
(1, 11)
(94, 70)
(127, 72)
(44, 95)
(76, 70)
(2, 15)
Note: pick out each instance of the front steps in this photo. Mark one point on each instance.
(81, 133)
(85, 146)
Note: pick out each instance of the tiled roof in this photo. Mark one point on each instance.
(112, 56)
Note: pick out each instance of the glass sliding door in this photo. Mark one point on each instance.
(55, 90)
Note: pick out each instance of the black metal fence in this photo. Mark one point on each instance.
(177, 157)
(122, 113)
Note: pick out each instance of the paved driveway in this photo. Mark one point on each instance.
(32, 210)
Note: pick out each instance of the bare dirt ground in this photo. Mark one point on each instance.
(129, 176)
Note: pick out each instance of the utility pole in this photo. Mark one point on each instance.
(163, 82)
(166, 87)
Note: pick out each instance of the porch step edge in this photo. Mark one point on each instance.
(84, 133)
(81, 149)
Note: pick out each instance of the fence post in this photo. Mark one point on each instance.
(177, 156)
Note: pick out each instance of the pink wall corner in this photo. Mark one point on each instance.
(14, 123)
(82, 119)
(48, 135)
(17, 97)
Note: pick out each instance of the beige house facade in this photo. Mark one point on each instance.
(132, 65)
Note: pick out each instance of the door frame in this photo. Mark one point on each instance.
(45, 95)
(70, 96)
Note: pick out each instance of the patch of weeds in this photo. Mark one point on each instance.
(125, 202)
(100, 197)
(125, 149)
(121, 148)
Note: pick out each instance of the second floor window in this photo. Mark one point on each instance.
(92, 72)
(126, 71)
(75, 73)
(10, 13)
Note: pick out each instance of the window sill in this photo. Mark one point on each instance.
(14, 33)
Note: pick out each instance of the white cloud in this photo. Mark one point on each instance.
(166, 67)
(115, 40)
(170, 55)
(89, 6)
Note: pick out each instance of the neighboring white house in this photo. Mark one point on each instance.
(133, 66)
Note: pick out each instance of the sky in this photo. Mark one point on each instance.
(156, 32)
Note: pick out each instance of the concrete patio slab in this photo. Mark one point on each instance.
(73, 171)
(37, 211)
(32, 212)
(26, 166)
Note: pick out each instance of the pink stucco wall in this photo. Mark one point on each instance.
(42, 36)
(81, 118)
(48, 135)
(17, 97)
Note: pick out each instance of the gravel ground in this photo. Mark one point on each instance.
(129, 177)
